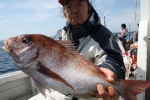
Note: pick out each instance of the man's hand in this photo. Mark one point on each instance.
(111, 92)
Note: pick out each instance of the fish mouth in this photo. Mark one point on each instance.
(6, 49)
(9, 51)
(19, 58)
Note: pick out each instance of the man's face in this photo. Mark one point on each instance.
(76, 12)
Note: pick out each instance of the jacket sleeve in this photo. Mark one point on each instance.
(111, 57)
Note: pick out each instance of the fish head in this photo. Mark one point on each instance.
(23, 48)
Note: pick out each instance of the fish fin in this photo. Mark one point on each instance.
(40, 88)
(50, 74)
(132, 88)
(80, 58)
(68, 44)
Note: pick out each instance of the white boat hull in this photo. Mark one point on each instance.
(16, 86)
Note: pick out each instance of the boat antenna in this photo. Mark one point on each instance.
(104, 15)
(134, 38)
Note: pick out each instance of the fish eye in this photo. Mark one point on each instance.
(26, 40)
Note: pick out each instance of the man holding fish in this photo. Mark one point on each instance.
(94, 41)
(57, 65)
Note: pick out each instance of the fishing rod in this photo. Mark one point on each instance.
(134, 38)
(129, 21)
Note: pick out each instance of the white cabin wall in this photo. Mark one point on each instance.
(143, 60)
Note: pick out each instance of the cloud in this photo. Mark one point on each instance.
(1, 16)
(44, 16)
(31, 10)
(2, 5)
(7, 21)
(40, 16)
(37, 4)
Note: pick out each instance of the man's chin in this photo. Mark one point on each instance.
(76, 23)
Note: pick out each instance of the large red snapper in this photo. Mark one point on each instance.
(57, 65)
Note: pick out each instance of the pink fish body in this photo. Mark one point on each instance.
(57, 65)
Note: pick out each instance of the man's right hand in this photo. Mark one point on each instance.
(110, 92)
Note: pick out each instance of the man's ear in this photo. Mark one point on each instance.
(90, 10)
(64, 13)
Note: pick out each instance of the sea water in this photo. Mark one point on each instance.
(6, 63)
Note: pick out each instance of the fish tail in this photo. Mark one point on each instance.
(130, 88)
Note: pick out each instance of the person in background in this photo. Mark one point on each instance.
(95, 42)
(124, 32)
(123, 35)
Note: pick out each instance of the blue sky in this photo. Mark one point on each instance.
(45, 16)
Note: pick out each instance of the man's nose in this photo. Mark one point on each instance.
(74, 9)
